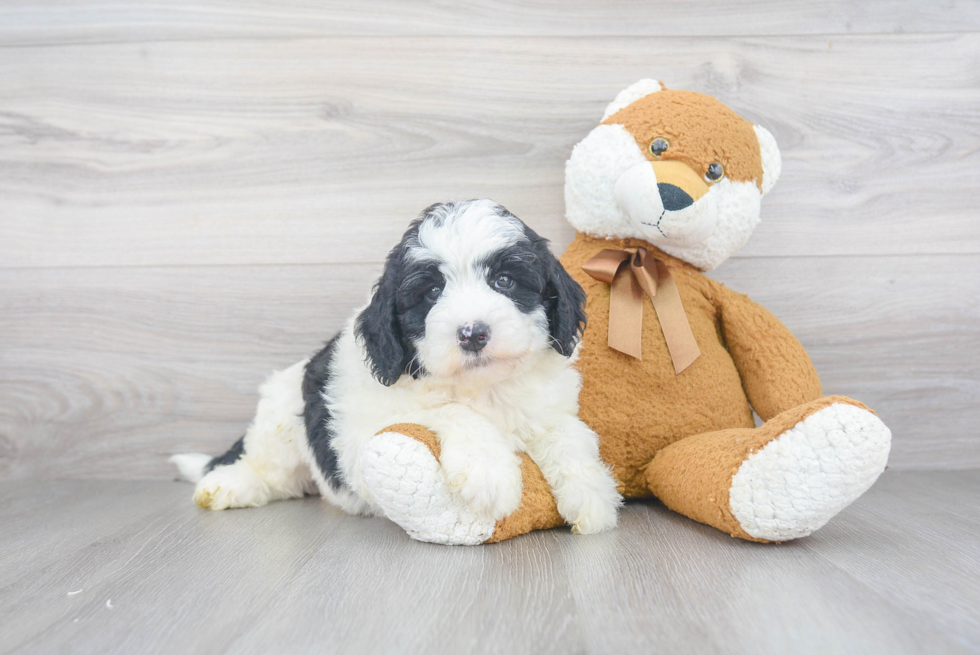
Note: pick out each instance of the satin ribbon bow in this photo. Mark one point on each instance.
(629, 273)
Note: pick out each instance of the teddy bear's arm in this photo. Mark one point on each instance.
(776, 371)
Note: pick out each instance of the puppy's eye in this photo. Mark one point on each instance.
(503, 282)
(659, 146)
(715, 172)
(433, 293)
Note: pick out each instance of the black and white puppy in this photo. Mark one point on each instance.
(470, 332)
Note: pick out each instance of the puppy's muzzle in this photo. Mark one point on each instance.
(473, 337)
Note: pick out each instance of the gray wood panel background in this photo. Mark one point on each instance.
(195, 193)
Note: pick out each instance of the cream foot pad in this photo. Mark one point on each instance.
(409, 485)
(800, 480)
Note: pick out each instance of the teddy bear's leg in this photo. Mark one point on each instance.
(401, 468)
(780, 481)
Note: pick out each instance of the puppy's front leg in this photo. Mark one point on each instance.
(585, 491)
(480, 464)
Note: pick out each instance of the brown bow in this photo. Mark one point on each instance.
(629, 273)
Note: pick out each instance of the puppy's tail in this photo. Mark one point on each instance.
(192, 466)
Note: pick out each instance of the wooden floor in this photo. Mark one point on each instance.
(134, 567)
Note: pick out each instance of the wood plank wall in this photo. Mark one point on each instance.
(196, 192)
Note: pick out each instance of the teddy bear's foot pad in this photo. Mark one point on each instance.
(409, 485)
(801, 479)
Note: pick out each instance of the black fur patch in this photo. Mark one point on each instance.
(412, 306)
(541, 281)
(317, 416)
(233, 455)
(395, 319)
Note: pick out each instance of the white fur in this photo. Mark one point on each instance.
(273, 466)
(803, 478)
(772, 161)
(517, 395)
(738, 214)
(631, 94)
(584, 489)
(459, 233)
(191, 465)
(591, 174)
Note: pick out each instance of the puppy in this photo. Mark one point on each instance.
(471, 331)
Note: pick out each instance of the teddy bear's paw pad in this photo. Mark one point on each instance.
(408, 483)
(801, 479)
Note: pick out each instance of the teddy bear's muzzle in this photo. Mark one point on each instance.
(668, 201)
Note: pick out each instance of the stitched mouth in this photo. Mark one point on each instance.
(657, 224)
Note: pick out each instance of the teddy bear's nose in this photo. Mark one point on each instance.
(673, 197)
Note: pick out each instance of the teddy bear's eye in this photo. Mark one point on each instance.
(715, 172)
(659, 146)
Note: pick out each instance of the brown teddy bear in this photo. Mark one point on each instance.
(673, 363)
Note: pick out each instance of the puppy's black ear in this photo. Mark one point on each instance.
(564, 303)
(377, 326)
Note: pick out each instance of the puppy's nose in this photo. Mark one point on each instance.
(473, 337)
(674, 197)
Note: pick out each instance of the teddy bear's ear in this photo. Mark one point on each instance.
(772, 162)
(631, 94)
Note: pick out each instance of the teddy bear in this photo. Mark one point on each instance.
(667, 187)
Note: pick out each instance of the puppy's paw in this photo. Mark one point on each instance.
(596, 515)
(488, 481)
(590, 501)
(227, 487)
